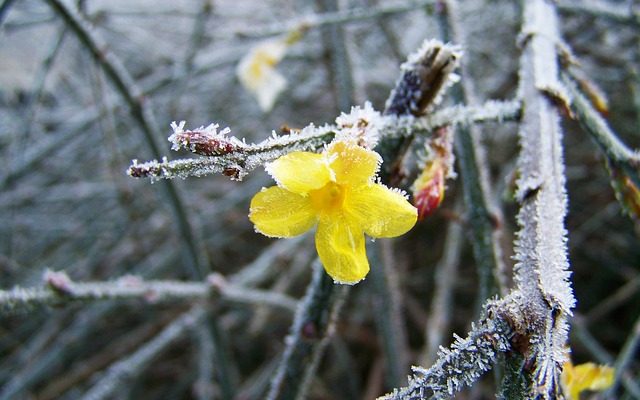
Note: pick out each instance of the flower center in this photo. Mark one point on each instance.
(328, 198)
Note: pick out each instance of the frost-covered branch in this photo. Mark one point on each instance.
(623, 163)
(461, 364)
(542, 267)
(312, 325)
(236, 158)
(59, 289)
(142, 113)
(595, 125)
(337, 17)
(482, 214)
(618, 12)
(133, 365)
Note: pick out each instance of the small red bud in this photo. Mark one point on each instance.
(428, 189)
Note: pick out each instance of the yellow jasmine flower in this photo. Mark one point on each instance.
(257, 70)
(335, 190)
(589, 376)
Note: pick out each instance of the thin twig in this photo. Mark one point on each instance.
(616, 12)
(141, 111)
(441, 313)
(61, 290)
(626, 356)
(247, 157)
(336, 17)
(614, 149)
(311, 325)
(334, 39)
(387, 308)
(131, 366)
(485, 237)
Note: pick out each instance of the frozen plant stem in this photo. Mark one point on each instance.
(338, 59)
(485, 237)
(613, 148)
(462, 364)
(142, 113)
(131, 366)
(617, 12)
(542, 273)
(308, 331)
(336, 17)
(386, 300)
(247, 157)
(60, 290)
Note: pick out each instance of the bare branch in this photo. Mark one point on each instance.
(542, 269)
(61, 290)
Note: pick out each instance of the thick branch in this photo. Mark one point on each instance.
(542, 269)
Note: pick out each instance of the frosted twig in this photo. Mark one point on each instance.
(60, 289)
(388, 314)
(542, 268)
(337, 17)
(311, 325)
(440, 313)
(131, 366)
(239, 160)
(614, 149)
(622, 295)
(626, 356)
(334, 39)
(4, 9)
(461, 364)
(141, 111)
(617, 12)
(599, 353)
(483, 216)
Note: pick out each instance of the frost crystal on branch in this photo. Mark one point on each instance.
(462, 364)
(362, 124)
(204, 141)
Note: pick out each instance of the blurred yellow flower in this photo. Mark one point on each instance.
(589, 376)
(257, 69)
(335, 190)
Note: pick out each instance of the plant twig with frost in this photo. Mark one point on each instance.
(463, 363)
(336, 17)
(228, 155)
(483, 215)
(312, 326)
(542, 273)
(131, 366)
(143, 114)
(60, 289)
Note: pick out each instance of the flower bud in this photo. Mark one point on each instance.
(428, 188)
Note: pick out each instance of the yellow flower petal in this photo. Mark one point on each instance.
(300, 171)
(588, 376)
(340, 245)
(278, 212)
(380, 211)
(352, 164)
